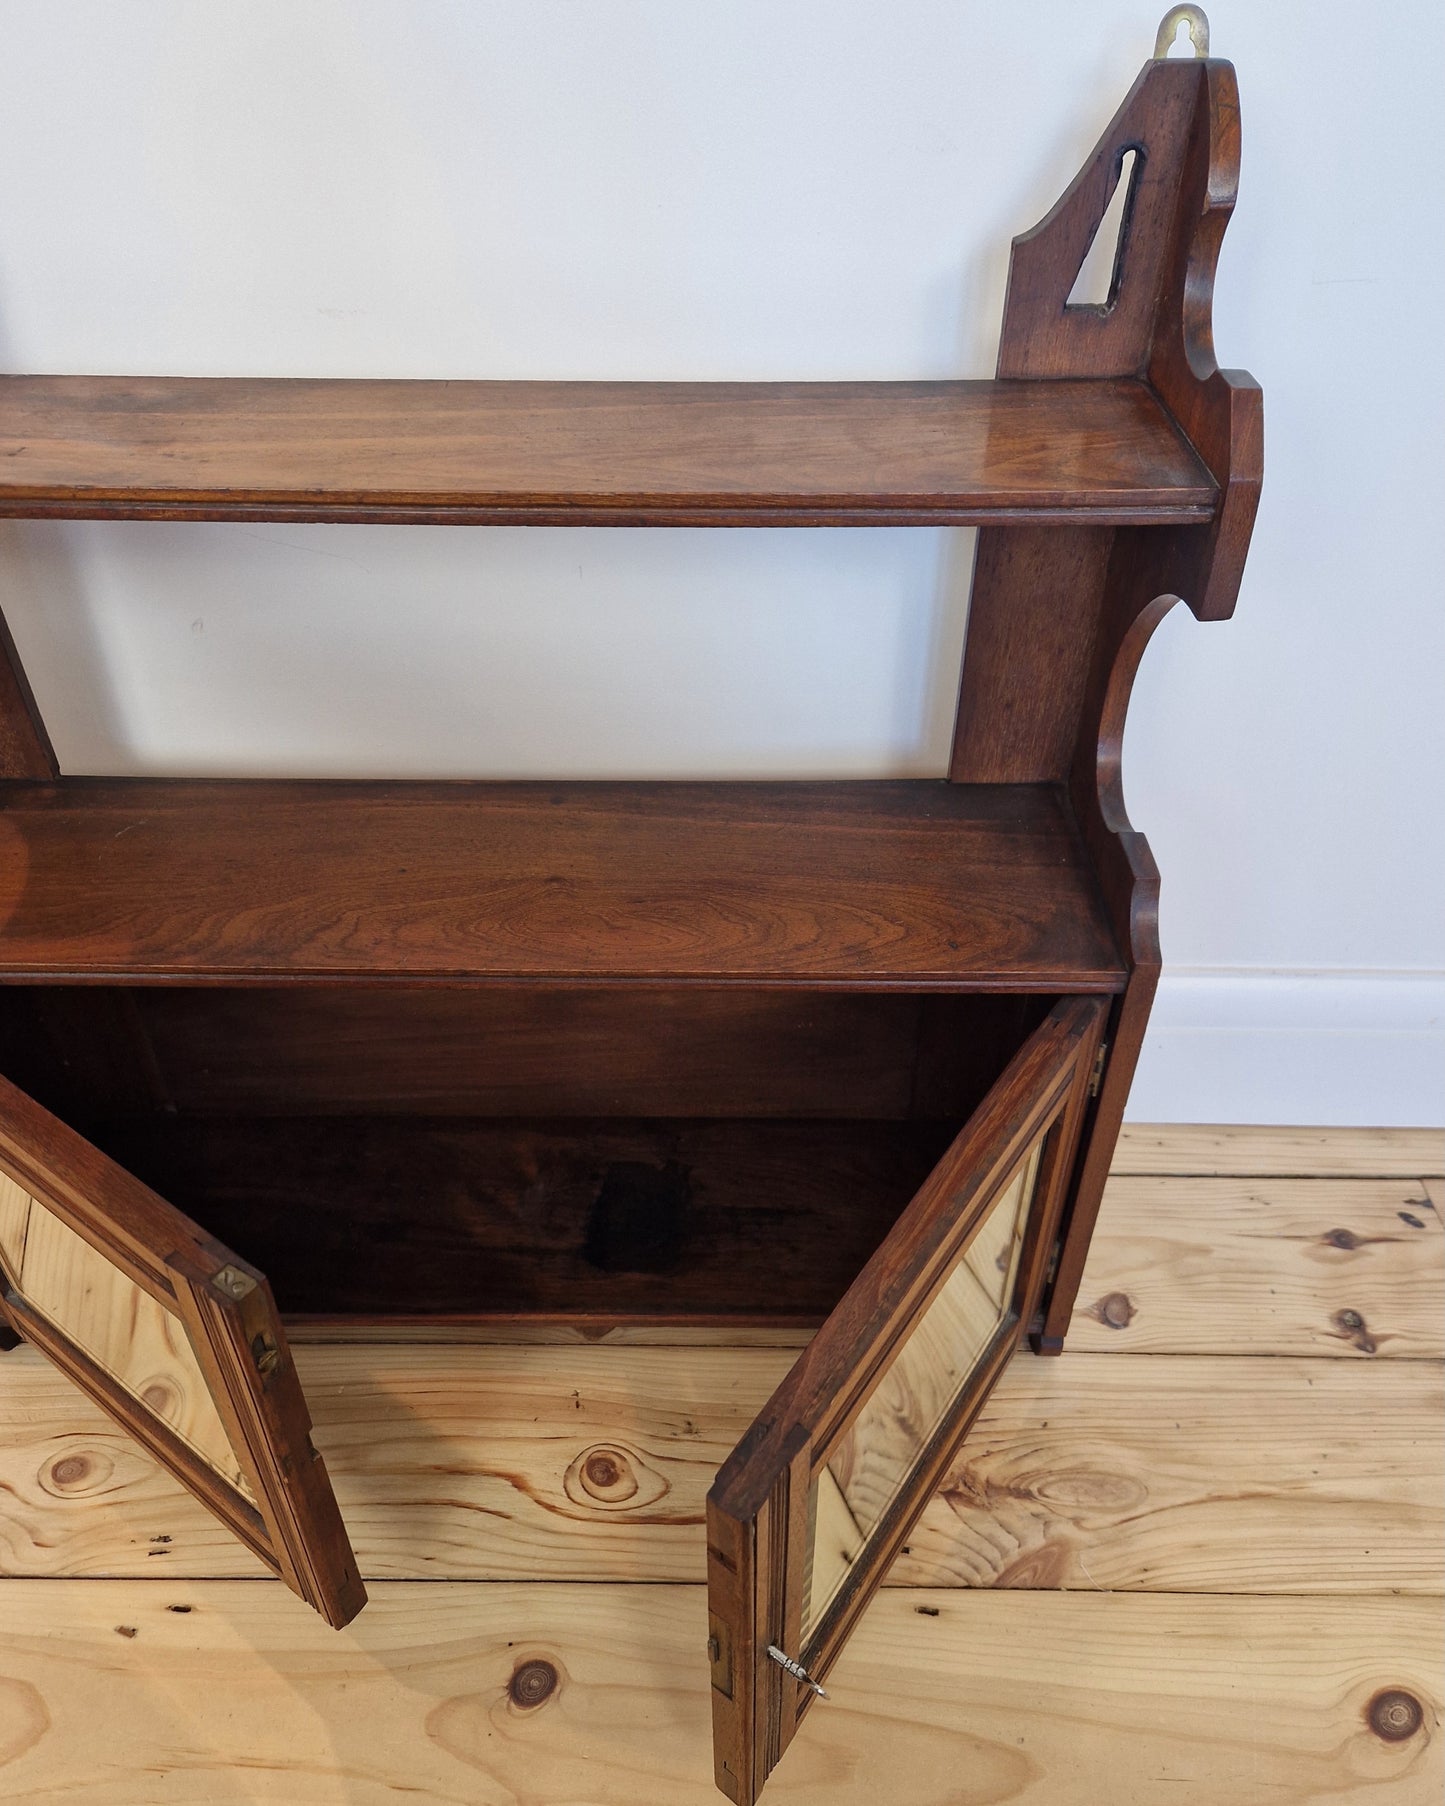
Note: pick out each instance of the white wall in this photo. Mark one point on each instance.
(817, 188)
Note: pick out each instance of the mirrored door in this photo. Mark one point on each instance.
(811, 1507)
(173, 1335)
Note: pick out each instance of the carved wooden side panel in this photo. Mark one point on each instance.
(25, 749)
(1059, 618)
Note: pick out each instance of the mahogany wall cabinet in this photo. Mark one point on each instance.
(848, 1055)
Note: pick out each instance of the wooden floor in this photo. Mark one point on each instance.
(1197, 1560)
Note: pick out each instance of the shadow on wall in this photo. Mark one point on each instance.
(49, 609)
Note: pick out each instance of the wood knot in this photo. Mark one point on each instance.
(1086, 1490)
(613, 1477)
(1045, 1568)
(80, 1471)
(1394, 1714)
(606, 1475)
(1342, 1238)
(601, 1470)
(160, 1397)
(1115, 1310)
(1351, 1327)
(532, 1683)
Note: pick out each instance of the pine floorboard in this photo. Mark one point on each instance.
(1196, 1558)
(1277, 1266)
(1262, 1151)
(1184, 1475)
(144, 1694)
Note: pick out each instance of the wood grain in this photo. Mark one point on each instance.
(880, 1449)
(610, 1219)
(1270, 1266)
(929, 1368)
(849, 884)
(100, 1052)
(1189, 1474)
(1033, 606)
(1196, 1474)
(139, 1343)
(554, 453)
(512, 1051)
(107, 1250)
(15, 1206)
(1018, 1700)
(1254, 1150)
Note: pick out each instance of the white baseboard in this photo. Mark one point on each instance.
(1363, 1049)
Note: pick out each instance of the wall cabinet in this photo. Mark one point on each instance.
(479, 1056)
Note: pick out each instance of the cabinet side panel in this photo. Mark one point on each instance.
(1031, 623)
(25, 749)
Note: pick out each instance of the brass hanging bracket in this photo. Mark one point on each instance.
(1194, 18)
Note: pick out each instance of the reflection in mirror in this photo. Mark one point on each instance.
(873, 1458)
(105, 1314)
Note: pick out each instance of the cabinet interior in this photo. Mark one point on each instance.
(612, 1155)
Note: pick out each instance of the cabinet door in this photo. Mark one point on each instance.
(815, 1501)
(176, 1337)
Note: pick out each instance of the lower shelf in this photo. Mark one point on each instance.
(719, 1220)
(851, 885)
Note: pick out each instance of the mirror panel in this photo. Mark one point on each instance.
(142, 1346)
(870, 1463)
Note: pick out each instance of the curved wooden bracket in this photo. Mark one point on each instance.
(1110, 743)
(1221, 412)
(1135, 902)
(1129, 880)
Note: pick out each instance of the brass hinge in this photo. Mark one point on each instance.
(1096, 1077)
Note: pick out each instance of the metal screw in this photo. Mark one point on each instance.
(796, 1669)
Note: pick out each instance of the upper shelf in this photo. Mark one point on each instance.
(856, 885)
(574, 453)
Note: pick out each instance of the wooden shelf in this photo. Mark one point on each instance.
(855, 885)
(724, 454)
